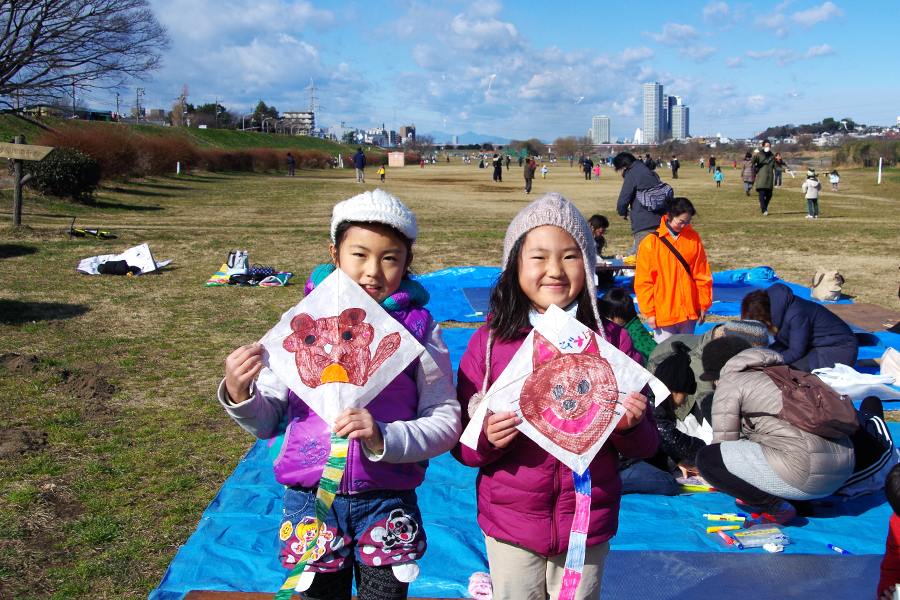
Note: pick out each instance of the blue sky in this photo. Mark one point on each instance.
(740, 66)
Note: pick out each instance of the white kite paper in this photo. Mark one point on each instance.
(567, 384)
(338, 348)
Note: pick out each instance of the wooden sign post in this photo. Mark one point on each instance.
(18, 152)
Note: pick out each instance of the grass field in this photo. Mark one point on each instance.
(111, 440)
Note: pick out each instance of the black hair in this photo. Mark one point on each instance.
(765, 141)
(892, 488)
(756, 306)
(510, 305)
(598, 221)
(623, 160)
(617, 304)
(748, 155)
(679, 206)
(341, 232)
(359, 149)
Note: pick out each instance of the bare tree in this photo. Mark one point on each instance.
(422, 145)
(565, 146)
(47, 46)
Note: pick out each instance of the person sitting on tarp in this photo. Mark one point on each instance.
(771, 466)
(682, 432)
(807, 335)
(617, 305)
(752, 331)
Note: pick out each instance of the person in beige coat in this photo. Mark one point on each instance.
(771, 466)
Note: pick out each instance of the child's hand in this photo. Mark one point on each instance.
(358, 424)
(635, 405)
(888, 594)
(241, 367)
(500, 428)
(687, 469)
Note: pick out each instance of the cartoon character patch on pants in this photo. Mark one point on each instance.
(396, 539)
(329, 550)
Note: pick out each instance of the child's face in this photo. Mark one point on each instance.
(551, 268)
(373, 257)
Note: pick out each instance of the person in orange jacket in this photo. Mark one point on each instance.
(673, 295)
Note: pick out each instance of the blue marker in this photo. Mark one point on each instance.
(838, 550)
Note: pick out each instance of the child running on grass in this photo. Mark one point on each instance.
(381, 172)
(526, 497)
(543, 171)
(718, 176)
(374, 529)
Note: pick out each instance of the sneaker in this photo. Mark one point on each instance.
(816, 217)
(765, 213)
(809, 216)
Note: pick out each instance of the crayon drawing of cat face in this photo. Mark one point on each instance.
(569, 398)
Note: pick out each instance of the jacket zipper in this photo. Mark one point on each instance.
(554, 534)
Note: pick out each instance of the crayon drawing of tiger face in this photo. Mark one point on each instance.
(569, 398)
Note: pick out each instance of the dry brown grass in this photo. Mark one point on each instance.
(162, 448)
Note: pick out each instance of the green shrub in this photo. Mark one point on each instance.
(65, 173)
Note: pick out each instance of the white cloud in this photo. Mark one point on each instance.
(757, 102)
(775, 22)
(716, 11)
(823, 50)
(817, 14)
(686, 39)
(627, 108)
(633, 55)
(733, 63)
(674, 35)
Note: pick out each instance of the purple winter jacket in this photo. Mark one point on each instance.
(525, 495)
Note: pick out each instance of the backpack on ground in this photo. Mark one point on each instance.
(809, 404)
(654, 198)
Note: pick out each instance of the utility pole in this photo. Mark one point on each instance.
(216, 111)
(73, 96)
(138, 92)
(117, 107)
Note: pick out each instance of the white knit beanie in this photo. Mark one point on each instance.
(553, 209)
(375, 207)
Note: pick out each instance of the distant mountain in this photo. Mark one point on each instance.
(469, 137)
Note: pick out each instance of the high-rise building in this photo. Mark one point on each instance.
(669, 102)
(654, 126)
(456, 140)
(680, 122)
(408, 132)
(600, 130)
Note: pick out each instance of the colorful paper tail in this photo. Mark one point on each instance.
(328, 485)
(578, 536)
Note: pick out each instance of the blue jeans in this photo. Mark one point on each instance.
(644, 478)
(778, 178)
(381, 528)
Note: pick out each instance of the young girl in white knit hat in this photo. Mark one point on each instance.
(526, 497)
(374, 528)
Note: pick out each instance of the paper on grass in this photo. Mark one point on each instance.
(138, 256)
(338, 348)
(566, 383)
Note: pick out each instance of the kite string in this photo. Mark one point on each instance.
(578, 535)
(328, 485)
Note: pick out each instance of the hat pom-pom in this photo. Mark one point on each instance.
(480, 587)
(474, 401)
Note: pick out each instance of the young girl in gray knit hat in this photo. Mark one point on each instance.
(374, 528)
(526, 497)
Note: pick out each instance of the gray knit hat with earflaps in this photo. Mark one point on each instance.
(549, 209)
(553, 209)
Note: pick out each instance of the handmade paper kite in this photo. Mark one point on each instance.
(567, 384)
(337, 349)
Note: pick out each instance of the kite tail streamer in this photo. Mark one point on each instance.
(328, 485)
(578, 535)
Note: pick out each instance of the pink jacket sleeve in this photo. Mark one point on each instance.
(470, 378)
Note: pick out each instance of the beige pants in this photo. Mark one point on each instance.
(520, 574)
